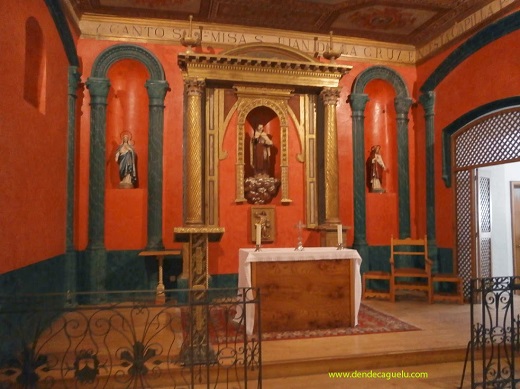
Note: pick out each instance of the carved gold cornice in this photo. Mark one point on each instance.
(261, 70)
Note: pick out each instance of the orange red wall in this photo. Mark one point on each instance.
(33, 146)
(490, 74)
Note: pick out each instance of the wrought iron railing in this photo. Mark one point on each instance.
(196, 338)
(495, 329)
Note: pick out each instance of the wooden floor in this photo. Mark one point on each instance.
(438, 349)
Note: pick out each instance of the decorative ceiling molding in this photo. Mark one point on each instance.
(375, 30)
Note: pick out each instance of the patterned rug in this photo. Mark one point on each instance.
(370, 321)
(222, 327)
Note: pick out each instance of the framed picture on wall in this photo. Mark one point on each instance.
(263, 216)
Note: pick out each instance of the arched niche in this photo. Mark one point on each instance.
(270, 122)
(127, 114)
(402, 103)
(99, 87)
(249, 101)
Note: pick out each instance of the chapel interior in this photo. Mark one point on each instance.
(172, 139)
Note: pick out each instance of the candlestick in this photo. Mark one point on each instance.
(191, 41)
(299, 245)
(330, 54)
(340, 235)
(258, 234)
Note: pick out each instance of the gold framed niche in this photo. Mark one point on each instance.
(275, 99)
(265, 216)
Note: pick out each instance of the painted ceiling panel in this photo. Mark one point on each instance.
(408, 22)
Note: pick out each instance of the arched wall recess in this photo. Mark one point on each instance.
(402, 103)
(99, 85)
(281, 71)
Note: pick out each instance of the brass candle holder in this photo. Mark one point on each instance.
(191, 41)
(330, 54)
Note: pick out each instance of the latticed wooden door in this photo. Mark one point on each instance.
(490, 140)
(483, 233)
(515, 216)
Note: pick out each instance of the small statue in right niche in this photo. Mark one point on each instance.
(375, 168)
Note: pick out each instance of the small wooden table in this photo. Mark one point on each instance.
(160, 296)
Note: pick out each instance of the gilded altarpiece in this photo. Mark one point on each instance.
(262, 75)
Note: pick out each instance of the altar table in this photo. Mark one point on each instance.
(319, 287)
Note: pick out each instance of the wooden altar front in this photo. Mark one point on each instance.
(319, 287)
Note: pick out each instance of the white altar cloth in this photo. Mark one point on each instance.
(247, 256)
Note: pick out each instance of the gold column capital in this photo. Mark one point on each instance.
(330, 96)
(194, 86)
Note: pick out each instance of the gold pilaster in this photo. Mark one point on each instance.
(194, 153)
(284, 162)
(330, 98)
(214, 123)
(308, 109)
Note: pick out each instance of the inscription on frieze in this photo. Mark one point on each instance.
(349, 49)
(462, 27)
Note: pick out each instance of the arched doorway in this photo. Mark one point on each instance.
(490, 136)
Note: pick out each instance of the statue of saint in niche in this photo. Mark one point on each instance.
(261, 151)
(375, 168)
(261, 187)
(126, 157)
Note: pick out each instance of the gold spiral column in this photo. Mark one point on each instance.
(194, 153)
(195, 233)
(330, 98)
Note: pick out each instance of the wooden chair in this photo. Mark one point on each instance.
(376, 293)
(411, 269)
(456, 296)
